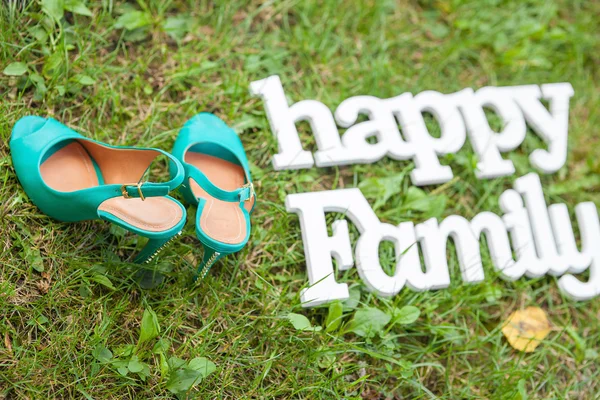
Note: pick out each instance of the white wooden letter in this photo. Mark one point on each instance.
(492, 226)
(435, 240)
(420, 145)
(487, 143)
(587, 216)
(319, 247)
(552, 126)
(530, 188)
(516, 220)
(283, 117)
(381, 124)
(408, 264)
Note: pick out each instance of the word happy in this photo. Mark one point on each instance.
(542, 239)
(459, 115)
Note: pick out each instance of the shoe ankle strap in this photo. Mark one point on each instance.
(152, 189)
(241, 195)
(143, 190)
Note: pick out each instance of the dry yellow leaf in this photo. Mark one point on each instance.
(525, 329)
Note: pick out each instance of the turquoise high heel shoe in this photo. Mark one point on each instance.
(217, 180)
(72, 178)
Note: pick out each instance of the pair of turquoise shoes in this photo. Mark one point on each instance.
(72, 178)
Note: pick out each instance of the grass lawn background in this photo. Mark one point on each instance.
(133, 73)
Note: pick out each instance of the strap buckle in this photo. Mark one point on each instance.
(126, 195)
(252, 194)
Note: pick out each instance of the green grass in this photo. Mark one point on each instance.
(138, 86)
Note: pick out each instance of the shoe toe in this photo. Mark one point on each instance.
(26, 126)
(206, 120)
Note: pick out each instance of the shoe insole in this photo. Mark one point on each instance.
(71, 168)
(222, 221)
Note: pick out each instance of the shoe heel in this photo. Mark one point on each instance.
(210, 257)
(153, 248)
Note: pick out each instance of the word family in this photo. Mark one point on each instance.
(399, 129)
(530, 239)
